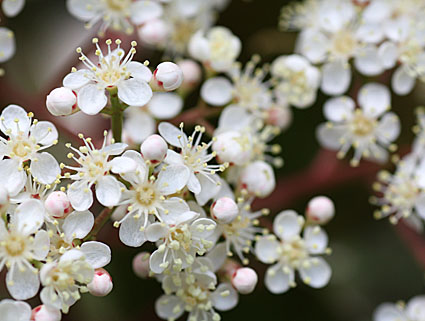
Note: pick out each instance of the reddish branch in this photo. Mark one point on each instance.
(414, 241)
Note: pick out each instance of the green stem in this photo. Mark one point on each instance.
(116, 113)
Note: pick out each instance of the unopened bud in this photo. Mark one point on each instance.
(279, 116)
(229, 148)
(58, 204)
(141, 265)
(153, 32)
(320, 210)
(154, 149)
(61, 101)
(224, 210)
(244, 280)
(168, 76)
(45, 313)
(191, 73)
(258, 179)
(101, 284)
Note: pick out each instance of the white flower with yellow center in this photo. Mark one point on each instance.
(146, 200)
(25, 143)
(20, 244)
(113, 70)
(203, 180)
(95, 169)
(180, 237)
(369, 129)
(414, 310)
(293, 252)
(121, 15)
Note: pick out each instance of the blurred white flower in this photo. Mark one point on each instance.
(15, 310)
(414, 310)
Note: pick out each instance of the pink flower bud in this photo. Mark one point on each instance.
(154, 32)
(191, 73)
(320, 210)
(224, 210)
(258, 179)
(4, 197)
(58, 205)
(244, 280)
(101, 284)
(279, 116)
(168, 76)
(45, 313)
(154, 149)
(61, 101)
(141, 265)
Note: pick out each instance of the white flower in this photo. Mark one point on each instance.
(298, 80)
(292, 253)
(119, 15)
(7, 43)
(95, 167)
(14, 310)
(203, 181)
(414, 310)
(218, 49)
(25, 143)
(180, 237)
(113, 70)
(369, 129)
(21, 243)
(147, 198)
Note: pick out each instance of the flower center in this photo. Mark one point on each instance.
(239, 224)
(294, 251)
(183, 31)
(344, 43)
(118, 5)
(146, 195)
(361, 125)
(21, 147)
(182, 235)
(196, 296)
(15, 245)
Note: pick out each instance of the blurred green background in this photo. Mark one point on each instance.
(370, 263)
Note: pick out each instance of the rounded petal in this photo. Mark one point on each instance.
(82, 9)
(41, 245)
(45, 168)
(374, 99)
(7, 44)
(339, 108)
(22, 284)
(130, 233)
(317, 273)
(91, 99)
(14, 311)
(169, 307)
(415, 308)
(210, 187)
(12, 7)
(97, 254)
(234, 117)
(172, 179)
(368, 62)
(139, 71)
(155, 262)
(108, 191)
(266, 249)
(142, 11)
(156, 231)
(336, 78)
(225, 297)
(288, 224)
(77, 225)
(388, 128)
(11, 176)
(122, 165)
(330, 136)
(401, 82)
(388, 54)
(278, 279)
(316, 239)
(76, 80)
(165, 105)
(114, 149)
(138, 125)
(389, 312)
(217, 256)
(80, 196)
(175, 207)
(44, 132)
(15, 119)
(171, 134)
(134, 92)
(217, 91)
(29, 216)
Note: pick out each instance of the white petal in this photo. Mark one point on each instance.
(15, 119)
(388, 128)
(156, 231)
(46, 296)
(176, 207)
(339, 108)
(77, 225)
(415, 308)
(224, 302)
(142, 11)
(202, 233)
(14, 311)
(389, 312)
(22, 285)
(388, 53)
(330, 137)
(185, 217)
(209, 188)
(171, 134)
(91, 99)
(199, 47)
(115, 149)
(401, 82)
(217, 91)
(317, 274)
(130, 233)
(165, 105)
(12, 7)
(234, 117)
(172, 179)
(193, 184)
(420, 205)
(108, 191)
(173, 158)
(316, 239)
(336, 78)
(138, 125)
(11, 177)
(217, 256)
(29, 216)
(80, 196)
(287, 224)
(155, 260)
(41, 245)
(266, 249)
(97, 254)
(374, 99)
(7, 44)
(122, 165)
(276, 280)
(45, 168)
(82, 9)
(139, 71)
(76, 80)
(134, 92)
(44, 132)
(368, 62)
(169, 307)
(312, 44)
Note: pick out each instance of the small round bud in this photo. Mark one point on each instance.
(224, 210)
(191, 73)
(258, 179)
(45, 313)
(168, 76)
(244, 280)
(154, 149)
(61, 101)
(320, 210)
(4, 197)
(141, 265)
(58, 204)
(101, 285)
(153, 32)
(229, 149)
(279, 116)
